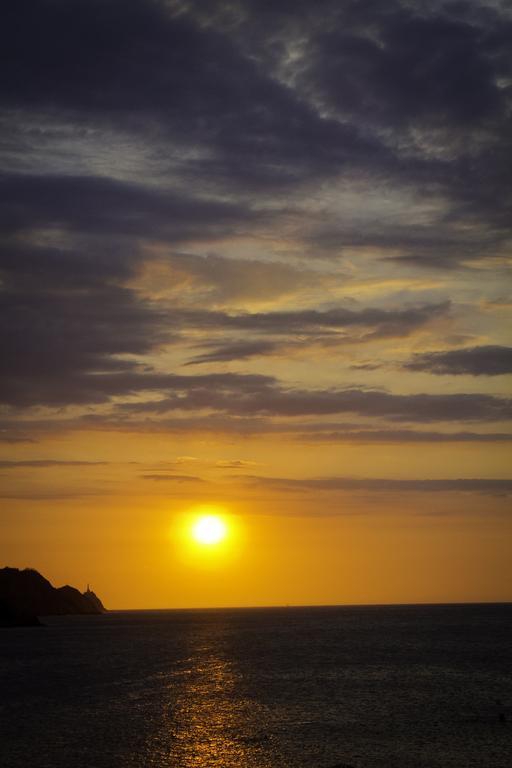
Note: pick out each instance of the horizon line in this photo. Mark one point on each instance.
(314, 605)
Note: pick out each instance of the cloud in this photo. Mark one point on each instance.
(256, 143)
(122, 60)
(475, 361)
(408, 96)
(381, 322)
(241, 350)
(305, 327)
(75, 332)
(52, 495)
(386, 485)
(235, 464)
(454, 240)
(427, 78)
(299, 429)
(107, 207)
(182, 461)
(403, 436)
(173, 478)
(416, 67)
(45, 463)
(68, 326)
(252, 395)
(429, 85)
(13, 437)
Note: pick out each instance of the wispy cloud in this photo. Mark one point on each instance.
(474, 361)
(386, 485)
(173, 478)
(46, 463)
(252, 395)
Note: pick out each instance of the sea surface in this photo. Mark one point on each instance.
(368, 687)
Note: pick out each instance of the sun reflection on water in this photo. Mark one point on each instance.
(205, 719)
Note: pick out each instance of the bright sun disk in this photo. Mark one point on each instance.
(209, 529)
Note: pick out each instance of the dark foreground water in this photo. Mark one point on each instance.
(400, 687)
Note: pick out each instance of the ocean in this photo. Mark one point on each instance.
(327, 687)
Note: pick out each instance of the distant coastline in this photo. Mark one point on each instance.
(25, 596)
(310, 606)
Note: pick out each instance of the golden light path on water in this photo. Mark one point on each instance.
(206, 720)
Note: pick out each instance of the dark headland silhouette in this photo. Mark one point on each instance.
(25, 595)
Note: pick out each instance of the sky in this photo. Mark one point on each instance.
(255, 259)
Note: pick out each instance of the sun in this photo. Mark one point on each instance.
(208, 536)
(209, 530)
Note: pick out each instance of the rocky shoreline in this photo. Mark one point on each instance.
(25, 596)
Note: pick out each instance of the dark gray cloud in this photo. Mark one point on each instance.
(14, 437)
(234, 464)
(404, 436)
(67, 324)
(58, 386)
(48, 463)
(252, 394)
(367, 89)
(415, 67)
(107, 207)
(259, 395)
(304, 327)
(379, 322)
(173, 478)
(444, 246)
(221, 423)
(430, 85)
(132, 60)
(28, 267)
(45, 495)
(386, 485)
(237, 351)
(475, 361)
(75, 333)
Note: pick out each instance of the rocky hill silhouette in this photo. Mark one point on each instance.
(25, 595)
